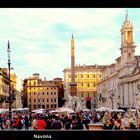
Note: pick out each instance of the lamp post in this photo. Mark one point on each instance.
(123, 100)
(112, 95)
(9, 68)
(100, 99)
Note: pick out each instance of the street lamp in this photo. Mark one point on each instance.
(100, 99)
(9, 68)
(112, 95)
(123, 100)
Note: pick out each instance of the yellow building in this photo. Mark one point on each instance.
(86, 78)
(40, 93)
(4, 90)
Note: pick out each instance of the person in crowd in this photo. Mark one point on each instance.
(26, 121)
(1, 122)
(34, 123)
(56, 123)
(41, 124)
(7, 124)
(79, 124)
(68, 125)
(117, 124)
(106, 120)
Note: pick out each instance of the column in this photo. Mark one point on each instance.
(126, 95)
(130, 102)
(135, 92)
(121, 95)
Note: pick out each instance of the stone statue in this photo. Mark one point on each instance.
(138, 105)
(74, 102)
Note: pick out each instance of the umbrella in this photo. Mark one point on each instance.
(39, 112)
(103, 109)
(66, 109)
(118, 110)
(133, 110)
(54, 111)
(86, 109)
(33, 111)
(63, 109)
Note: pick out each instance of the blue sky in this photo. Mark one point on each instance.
(40, 39)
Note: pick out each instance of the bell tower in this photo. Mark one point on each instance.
(127, 43)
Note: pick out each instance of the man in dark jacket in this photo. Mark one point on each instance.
(56, 124)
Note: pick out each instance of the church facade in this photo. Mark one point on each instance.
(120, 81)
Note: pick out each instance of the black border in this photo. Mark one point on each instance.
(71, 135)
(69, 3)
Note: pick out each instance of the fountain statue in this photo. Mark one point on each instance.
(74, 102)
(138, 105)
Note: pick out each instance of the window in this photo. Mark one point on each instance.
(54, 93)
(88, 85)
(82, 95)
(54, 100)
(34, 100)
(38, 106)
(69, 76)
(87, 75)
(42, 100)
(51, 93)
(47, 88)
(75, 76)
(47, 93)
(94, 85)
(81, 75)
(38, 100)
(51, 106)
(42, 93)
(54, 88)
(51, 100)
(94, 76)
(55, 106)
(47, 100)
(100, 76)
(81, 85)
(34, 83)
(47, 106)
(43, 106)
(35, 106)
(34, 93)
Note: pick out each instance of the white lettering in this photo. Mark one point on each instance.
(42, 136)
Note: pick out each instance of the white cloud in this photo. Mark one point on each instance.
(41, 38)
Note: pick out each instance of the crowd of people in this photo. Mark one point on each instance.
(69, 121)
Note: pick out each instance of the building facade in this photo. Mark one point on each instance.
(86, 78)
(126, 73)
(4, 89)
(40, 93)
(60, 86)
(107, 87)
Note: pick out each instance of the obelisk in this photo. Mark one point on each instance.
(73, 84)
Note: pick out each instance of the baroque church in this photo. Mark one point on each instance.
(121, 81)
